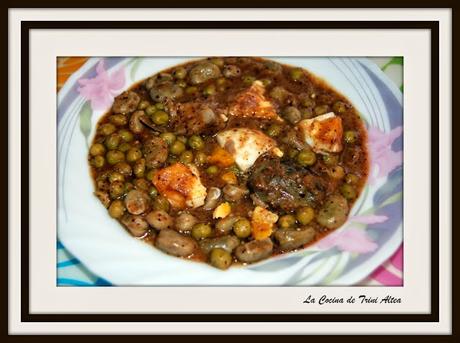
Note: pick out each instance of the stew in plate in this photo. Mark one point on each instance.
(230, 160)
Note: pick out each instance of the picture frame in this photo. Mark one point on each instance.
(25, 268)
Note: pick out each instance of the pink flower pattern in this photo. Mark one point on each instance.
(101, 89)
(368, 219)
(383, 158)
(353, 238)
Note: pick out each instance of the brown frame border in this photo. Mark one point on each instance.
(281, 25)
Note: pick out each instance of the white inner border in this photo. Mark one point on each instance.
(47, 44)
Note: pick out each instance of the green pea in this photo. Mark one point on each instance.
(168, 137)
(117, 209)
(337, 172)
(143, 105)
(242, 228)
(330, 160)
(296, 74)
(107, 129)
(153, 192)
(287, 221)
(292, 114)
(339, 107)
(160, 117)
(279, 94)
(292, 153)
(124, 147)
(117, 189)
(306, 158)
(321, 109)
(113, 141)
(97, 149)
(200, 158)
(177, 148)
(133, 154)
(248, 80)
(98, 161)
(123, 168)
(186, 157)
(348, 191)
(212, 170)
(160, 106)
(274, 130)
(139, 167)
(191, 90)
(182, 83)
(151, 110)
(180, 73)
(306, 113)
(196, 142)
(351, 179)
(217, 61)
(209, 90)
(142, 184)
(305, 215)
(150, 174)
(116, 176)
(126, 135)
(201, 231)
(220, 258)
(307, 101)
(350, 137)
(118, 119)
(115, 156)
(221, 81)
(160, 203)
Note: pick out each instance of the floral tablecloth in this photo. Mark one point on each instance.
(71, 272)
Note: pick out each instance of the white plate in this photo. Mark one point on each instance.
(370, 236)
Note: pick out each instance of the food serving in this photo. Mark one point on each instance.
(230, 160)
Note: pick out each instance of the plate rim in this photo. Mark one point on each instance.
(371, 65)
